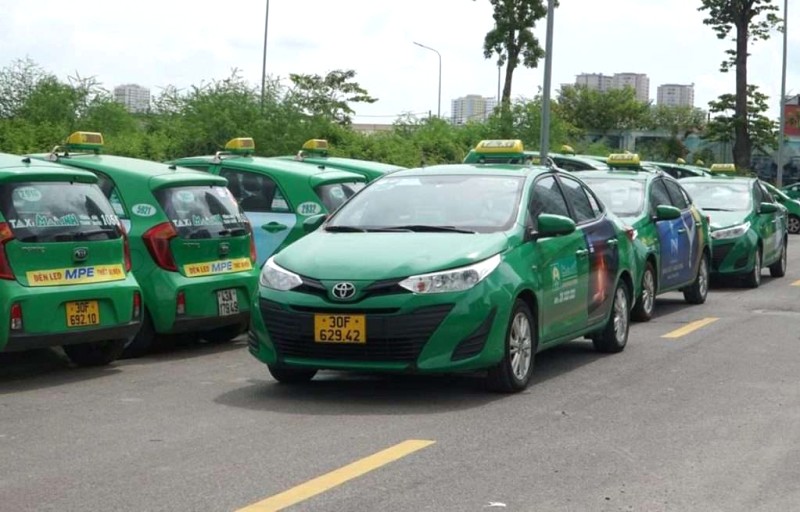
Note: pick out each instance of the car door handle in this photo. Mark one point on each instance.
(581, 253)
(681, 230)
(273, 227)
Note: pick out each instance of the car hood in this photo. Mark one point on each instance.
(725, 219)
(373, 256)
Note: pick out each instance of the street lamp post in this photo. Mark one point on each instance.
(264, 60)
(439, 110)
(782, 128)
(544, 146)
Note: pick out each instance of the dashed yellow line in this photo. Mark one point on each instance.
(690, 327)
(796, 283)
(337, 477)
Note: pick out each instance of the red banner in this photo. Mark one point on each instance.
(792, 120)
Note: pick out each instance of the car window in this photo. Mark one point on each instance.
(334, 195)
(719, 196)
(576, 197)
(758, 194)
(547, 198)
(768, 197)
(111, 192)
(202, 211)
(676, 194)
(624, 197)
(659, 195)
(255, 192)
(196, 167)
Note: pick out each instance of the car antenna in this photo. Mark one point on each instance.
(26, 160)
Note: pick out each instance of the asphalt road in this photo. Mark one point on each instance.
(708, 420)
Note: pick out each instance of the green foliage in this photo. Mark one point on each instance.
(752, 20)
(678, 121)
(724, 122)
(328, 96)
(595, 111)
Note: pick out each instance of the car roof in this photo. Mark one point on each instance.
(477, 169)
(345, 163)
(290, 168)
(719, 179)
(14, 166)
(618, 174)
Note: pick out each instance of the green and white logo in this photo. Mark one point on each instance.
(309, 208)
(30, 194)
(144, 210)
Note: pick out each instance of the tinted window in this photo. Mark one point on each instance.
(334, 195)
(202, 211)
(255, 192)
(547, 198)
(622, 196)
(57, 212)
(659, 195)
(111, 192)
(675, 192)
(576, 197)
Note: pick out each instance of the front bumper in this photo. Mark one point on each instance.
(735, 255)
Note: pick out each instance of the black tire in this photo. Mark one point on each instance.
(513, 373)
(697, 292)
(614, 336)
(223, 334)
(643, 311)
(97, 353)
(794, 224)
(291, 375)
(753, 278)
(778, 269)
(144, 339)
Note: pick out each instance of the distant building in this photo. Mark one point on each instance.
(472, 107)
(791, 110)
(594, 81)
(639, 82)
(134, 97)
(675, 95)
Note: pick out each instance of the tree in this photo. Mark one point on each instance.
(750, 21)
(602, 112)
(678, 121)
(17, 82)
(725, 124)
(328, 96)
(512, 39)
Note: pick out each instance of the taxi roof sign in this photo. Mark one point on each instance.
(495, 146)
(241, 145)
(680, 161)
(623, 160)
(85, 141)
(723, 168)
(316, 145)
(567, 149)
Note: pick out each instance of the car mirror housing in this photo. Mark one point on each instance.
(667, 212)
(312, 223)
(550, 225)
(767, 208)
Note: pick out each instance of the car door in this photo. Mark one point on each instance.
(670, 234)
(602, 262)
(561, 266)
(265, 206)
(689, 234)
(770, 225)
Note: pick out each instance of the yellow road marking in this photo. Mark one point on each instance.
(337, 477)
(796, 283)
(690, 327)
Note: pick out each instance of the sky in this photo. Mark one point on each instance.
(167, 42)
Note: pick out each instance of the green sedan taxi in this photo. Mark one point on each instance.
(748, 228)
(276, 195)
(672, 236)
(316, 152)
(792, 190)
(792, 207)
(191, 246)
(515, 153)
(64, 264)
(445, 269)
(681, 169)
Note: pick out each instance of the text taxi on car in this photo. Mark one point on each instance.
(748, 228)
(792, 207)
(316, 152)
(191, 246)
(276, 195)
(64, 264)
(448, 268)
(671, 235)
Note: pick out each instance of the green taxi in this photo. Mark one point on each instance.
(792, 207)
(680, 169)
(64, 264)
(749, 230)
(792, 190)
(191, 247)
(671, 235)
(276, 195)
(515, 153)
(448, 268)
(315, 152)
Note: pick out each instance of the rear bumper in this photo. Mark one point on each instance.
(27, 341)
(207, 323)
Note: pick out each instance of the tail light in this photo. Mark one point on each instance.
(631, 233)
(137, 305)
(180, 304)
(157, 241)
(5, 236)
(16, 317)
(253, 256)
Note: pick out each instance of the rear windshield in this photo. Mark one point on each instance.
(202, 211)
(58, 211)
(334, 195)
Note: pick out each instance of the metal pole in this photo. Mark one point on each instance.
(782, 128)
(498, 84)
(548, 71)
(264, 60)
(439, 111)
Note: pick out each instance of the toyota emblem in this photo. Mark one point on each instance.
(343, 291)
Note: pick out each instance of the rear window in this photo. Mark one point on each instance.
(58, 211)
(334, 195)
(202, 211)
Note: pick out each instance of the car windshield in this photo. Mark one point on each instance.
(202, 211)
(716, 196)
(333, 195)
(57, 211)
(471, 203)
(624, 198)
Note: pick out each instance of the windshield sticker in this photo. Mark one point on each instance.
(29, 194)
(337, 193)
(217, 267)
(71, 220)
(184, 196)
(144, 210)
(77, 275)
(309, 208)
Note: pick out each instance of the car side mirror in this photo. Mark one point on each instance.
(315, 221)
(553, 225)
(765, 208)
(667, 212)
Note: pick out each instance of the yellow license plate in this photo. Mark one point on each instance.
(82, 313)
(340, 329)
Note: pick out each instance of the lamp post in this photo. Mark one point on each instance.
(264, 60)
(544, 147)
(439, 110)
(782, 128)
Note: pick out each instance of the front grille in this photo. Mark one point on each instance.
(390, 337)
(384, 287)
(719, 253)
(473, 344)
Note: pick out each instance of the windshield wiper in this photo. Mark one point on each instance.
(423, 228)
(345, 229)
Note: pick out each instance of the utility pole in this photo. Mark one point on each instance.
(782, 128)
(544, 147)
(264, 60)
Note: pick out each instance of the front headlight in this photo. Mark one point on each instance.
(277, 278)
(455, 280)
(731, 232)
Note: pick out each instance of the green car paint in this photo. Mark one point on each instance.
(278, 195)
(315, 152)
(64, 264)
(792, 207)
(672, 244)
(191, 246)
(792, 190)
(444, 269)
(749, 230)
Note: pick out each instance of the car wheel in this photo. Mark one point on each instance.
(291, 375)
(753, 278)
(98, 353)
(144, 339)
(643, 311)
(698, 291)
(794, 224)
(778, 269)
(223, 334)
(614, 336)
(513, 372)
